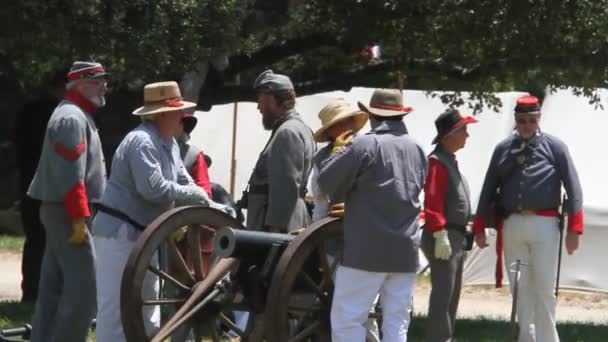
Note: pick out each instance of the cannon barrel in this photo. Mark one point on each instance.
(239, 243)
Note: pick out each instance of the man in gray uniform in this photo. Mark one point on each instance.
(380, 174)
(71, 174)
(278, 184)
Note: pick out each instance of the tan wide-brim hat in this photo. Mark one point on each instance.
(386, 102)
(335, 112)
(162, 97)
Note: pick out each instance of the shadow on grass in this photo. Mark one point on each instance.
(482, 330)
(15, 314)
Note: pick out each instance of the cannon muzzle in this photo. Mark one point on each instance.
(240, 243)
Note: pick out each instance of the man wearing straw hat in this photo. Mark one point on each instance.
(337, 117)
(147, 179)
(380, 175)
(276, 189)
(70, 175)
(447, 211)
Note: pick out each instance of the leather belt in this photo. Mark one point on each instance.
(263, 189)
(119, 215)
(540, 212)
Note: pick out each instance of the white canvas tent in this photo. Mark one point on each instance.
(565, 115)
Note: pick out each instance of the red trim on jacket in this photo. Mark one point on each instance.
(81, 101)
(70, 154)
(435, 191)
(479, 224)
(76, 202)
(499, 252)
(200, 173)
(575, 222)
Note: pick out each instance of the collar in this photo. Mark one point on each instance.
(288, 115)
(81, 101)
(390, 126)
(440, 150)
(519, 144)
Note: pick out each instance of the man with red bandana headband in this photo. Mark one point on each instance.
(529, 168)
(70, 176)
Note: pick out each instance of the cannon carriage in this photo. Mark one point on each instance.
(281, 283)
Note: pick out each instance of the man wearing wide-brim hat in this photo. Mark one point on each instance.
(70, 176)
(380, 175)
(529, 169)
(337, 118)
(147, 179)
(447, 211)
(277, 186)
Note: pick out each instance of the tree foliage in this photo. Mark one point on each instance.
(460, 45)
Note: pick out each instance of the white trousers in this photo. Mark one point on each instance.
(534, 240)
(354, 295)
(111, 260)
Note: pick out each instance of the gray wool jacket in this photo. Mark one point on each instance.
(278, 183)
(380, 175)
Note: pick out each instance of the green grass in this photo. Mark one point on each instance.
(11, 243)
(481, 330)
(14, 314)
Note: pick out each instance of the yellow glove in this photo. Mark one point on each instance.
(297, 231)
(342, 140)
(179, 234)
(337, 210)
(443, 250)
(79, 232)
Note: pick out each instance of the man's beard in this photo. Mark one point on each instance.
(98, 101)
(268, 121)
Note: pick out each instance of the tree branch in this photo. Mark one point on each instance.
(274, 53)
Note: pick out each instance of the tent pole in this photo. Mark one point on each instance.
(233, 154)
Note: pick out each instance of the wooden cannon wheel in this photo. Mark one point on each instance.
(300, 295)
(187, 281)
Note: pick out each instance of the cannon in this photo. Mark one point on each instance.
(282, 282)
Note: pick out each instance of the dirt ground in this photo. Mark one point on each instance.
(492, 303)
(10, 276)
(475, 302)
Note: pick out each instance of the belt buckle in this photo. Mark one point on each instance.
(526, 212)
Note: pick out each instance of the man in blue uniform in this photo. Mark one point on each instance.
(529, 168)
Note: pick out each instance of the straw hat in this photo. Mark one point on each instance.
(386, 102)
(162, 97)
(337, 111)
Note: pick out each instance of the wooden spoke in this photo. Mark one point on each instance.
(164, 301)
(168, 278)
(231, 325)
(178, 261)
(194, 251)
(326, 269)
(317, 289)
(309, 330)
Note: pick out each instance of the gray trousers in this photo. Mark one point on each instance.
(446, 282)
(66, 298)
